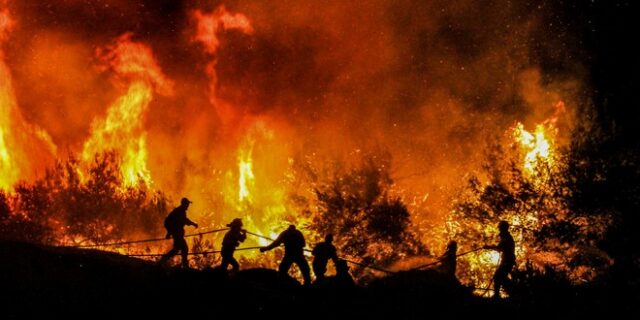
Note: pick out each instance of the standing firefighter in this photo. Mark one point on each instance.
(322, 252)
(174, 223)
(231, 241)
(293, 252)
(507, 248)
(448, 259)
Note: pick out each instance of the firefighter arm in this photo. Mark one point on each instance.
(500, 247)
(191, 223)
(335, 259)
(274, 244)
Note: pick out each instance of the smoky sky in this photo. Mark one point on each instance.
(306, 47)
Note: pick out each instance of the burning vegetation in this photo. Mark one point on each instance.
(527, 183)
(366, 122)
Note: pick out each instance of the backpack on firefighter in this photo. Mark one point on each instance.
(171, 224)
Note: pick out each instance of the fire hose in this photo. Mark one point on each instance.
(485, 290)
(246, 248)
(190, 253)
(347, 260)
(442, 259)
(144, 240)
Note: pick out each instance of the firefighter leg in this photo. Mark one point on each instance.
(304, 268)
(283, 269)
(319, 269)
(499, 279)
(169, 254)
(184, 250)
(235, 266)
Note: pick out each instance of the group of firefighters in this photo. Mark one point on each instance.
(294, 244)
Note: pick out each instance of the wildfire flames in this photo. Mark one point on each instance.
(535, 153)
(122, 130)
(246, 179)
(232, 106)
(536, 146)
(209, 26)
(18, 140)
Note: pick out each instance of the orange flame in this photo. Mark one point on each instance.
(535, 150)
(537, 146)
(6, 23)
(209, 25)
(121, 130)
(246, 178)
(254, 189)
(208, 28)
(20, 142)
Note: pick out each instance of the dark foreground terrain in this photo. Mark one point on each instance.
(62, 283)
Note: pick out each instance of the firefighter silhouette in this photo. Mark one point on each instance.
(322, 252)
(448, 260)
(230, 242)
(294, 244)
(507, 249)
(174, 223)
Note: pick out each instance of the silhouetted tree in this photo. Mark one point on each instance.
(66, 207)
(553, 223)
(354, 205)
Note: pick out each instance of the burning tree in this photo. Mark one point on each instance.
(65, 207)
(530, 183)
(356, 206)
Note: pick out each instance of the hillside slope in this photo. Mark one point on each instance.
(39, 281)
